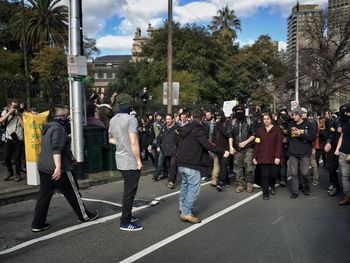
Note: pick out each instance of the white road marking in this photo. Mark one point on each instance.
(277, 220)
(86, 224)
(188, 230)
(102, 201)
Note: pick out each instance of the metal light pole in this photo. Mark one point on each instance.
(170, 57)
(297, 57)
(24, 46)
(75, 87)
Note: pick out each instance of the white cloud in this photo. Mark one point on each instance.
(115, 42)
(282, 45)
(247, 8)
(194, 12)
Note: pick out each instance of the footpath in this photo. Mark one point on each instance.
(14, 192)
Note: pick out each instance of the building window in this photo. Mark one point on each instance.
(104, 75)
(113, 75)
(96, 75)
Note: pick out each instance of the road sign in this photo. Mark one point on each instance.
(176, 93)
(77, 65)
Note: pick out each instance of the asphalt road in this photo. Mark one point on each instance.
(235, 228)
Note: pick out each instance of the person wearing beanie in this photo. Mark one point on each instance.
(301, 137)
(123, 132)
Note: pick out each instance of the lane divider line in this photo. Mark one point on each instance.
(84, 225)
(102, 201)
(188, 230)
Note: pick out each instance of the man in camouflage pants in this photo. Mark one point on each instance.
(242, 147)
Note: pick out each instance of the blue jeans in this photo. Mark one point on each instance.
(191, 182)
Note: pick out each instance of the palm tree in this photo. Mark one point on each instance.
(225, 25)
(46, 24)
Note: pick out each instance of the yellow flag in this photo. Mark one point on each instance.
(32, 134)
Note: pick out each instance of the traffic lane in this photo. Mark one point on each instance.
(160, 222)
(308, 229)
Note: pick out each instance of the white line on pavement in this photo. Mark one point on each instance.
(83, 225)
(102, 201)
(188, 230)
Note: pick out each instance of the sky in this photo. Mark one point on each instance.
(113, 22)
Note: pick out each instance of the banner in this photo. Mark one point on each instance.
(33, 124)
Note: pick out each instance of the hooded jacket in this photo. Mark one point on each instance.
(194, 146)
(54, 140)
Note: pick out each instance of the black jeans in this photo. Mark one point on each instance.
(224, 165)
(131, 182)
(13, 150)
(268, 176)
(68, 186)
(170, 167)
(333, 165)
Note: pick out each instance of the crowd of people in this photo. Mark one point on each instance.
(243, 150)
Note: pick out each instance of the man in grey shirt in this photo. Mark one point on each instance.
(123, 132)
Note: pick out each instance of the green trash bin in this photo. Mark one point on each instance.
(109, 158)
(93, 137)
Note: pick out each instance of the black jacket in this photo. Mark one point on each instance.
(301, 146)
(54, 140)
(167, 141)
(194, 146)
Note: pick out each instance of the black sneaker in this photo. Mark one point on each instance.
(306, 190)
(220, 187)
(8, 176)
(133, 219)
(42, 228)
(294, 196)
(130, 227)
(92, 216)
(155, 178)
(273, 190)
(333, 192)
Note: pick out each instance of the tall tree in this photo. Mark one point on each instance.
(325, 60)
(46, 24)
(225, 25)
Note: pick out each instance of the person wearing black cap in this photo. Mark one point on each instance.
(123, 132)
(301, 136)
(241, 146)
(343, 151)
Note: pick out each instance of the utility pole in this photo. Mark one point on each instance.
(75, 87)
(170, 57)
(24, 46)
(297, 56)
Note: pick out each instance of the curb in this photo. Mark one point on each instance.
(29, 194)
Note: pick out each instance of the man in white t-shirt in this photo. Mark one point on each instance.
(12, 138)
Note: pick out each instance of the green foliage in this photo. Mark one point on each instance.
(10, 62)
(46, 23)
(7, 10)
(50, 62)
(208, 73)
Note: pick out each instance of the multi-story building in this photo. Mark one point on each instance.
(139, 40)
(104, 70)
(339, 11)
(300, 22)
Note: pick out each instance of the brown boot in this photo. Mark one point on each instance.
(191, 219)
(239, 189)
(345, 201)
(18, 178)
(250, 188)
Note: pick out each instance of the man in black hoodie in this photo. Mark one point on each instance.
(55, 170)
(193, 158)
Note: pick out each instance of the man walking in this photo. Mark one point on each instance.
(55, 171)
(193, 158)
(301, 137)
(123, 132)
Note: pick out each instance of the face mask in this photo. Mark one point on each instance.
(240, 115)
(284, 117)
(63, 120)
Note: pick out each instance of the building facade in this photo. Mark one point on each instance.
(104, 71)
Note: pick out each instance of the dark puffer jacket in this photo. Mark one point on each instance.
(167, 140)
